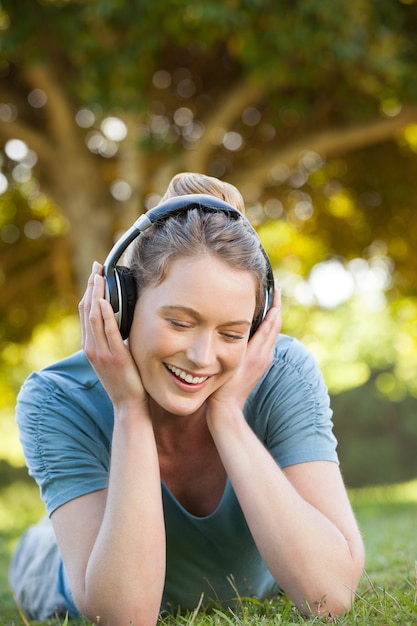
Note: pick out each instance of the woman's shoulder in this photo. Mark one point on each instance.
(74, 370)
(290, 410)
(72, 376)
(292, 351)
(65, 422)
(68, 389)
(294, 367)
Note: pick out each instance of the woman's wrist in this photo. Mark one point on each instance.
(131, 411)
(223, 414)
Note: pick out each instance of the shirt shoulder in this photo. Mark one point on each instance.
(289, 409)
(65, 421)
(292, 351)
(73, 371)
(72, 378)
(293, 365)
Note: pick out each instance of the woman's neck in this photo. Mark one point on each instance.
(172, 432)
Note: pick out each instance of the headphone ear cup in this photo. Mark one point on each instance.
(261, 315)
(127, 299)
(269, 299)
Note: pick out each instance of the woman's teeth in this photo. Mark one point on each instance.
(194, 380)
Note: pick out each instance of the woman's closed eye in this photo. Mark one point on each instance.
(233, 336)
(179, 324)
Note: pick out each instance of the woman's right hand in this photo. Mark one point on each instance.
(116, 573)
(258, 357)
(104, 347)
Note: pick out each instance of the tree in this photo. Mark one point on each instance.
(274, 97)
(308, 106)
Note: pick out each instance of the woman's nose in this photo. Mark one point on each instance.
(201, 351)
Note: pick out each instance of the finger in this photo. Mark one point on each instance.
(103, 321)
(277, 296)
(97, 268)
(274, 315)
(263, 341)
(111, 327)
(95, 317)
(267, 334)
(98, 287)
(85, 304)
(273, 318)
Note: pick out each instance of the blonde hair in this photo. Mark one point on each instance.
(189, 182)
(199, 232)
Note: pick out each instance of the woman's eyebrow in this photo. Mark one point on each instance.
(185, 309)
(181, 308)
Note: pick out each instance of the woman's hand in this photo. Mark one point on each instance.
(104, 346)
(258, 358)
(317, 555)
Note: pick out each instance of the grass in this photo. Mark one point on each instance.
(386, 595)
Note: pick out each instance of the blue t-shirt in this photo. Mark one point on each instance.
(65, 420)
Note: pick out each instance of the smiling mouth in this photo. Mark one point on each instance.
(185, 376)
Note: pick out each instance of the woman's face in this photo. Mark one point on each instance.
(190, 333)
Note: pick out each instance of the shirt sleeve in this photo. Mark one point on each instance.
(65, 430)
(290, 408)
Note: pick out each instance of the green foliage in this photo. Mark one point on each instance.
(386, 595)
(369, 358)
(32, 231)
(281, 78)
(57, 337)
(377, 437)
(359, 337)
(305, 41)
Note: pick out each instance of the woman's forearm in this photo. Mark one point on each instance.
(125, 573)
(305, 551)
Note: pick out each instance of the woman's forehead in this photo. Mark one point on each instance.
(206, 274)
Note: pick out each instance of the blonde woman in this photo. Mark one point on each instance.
(194, 460)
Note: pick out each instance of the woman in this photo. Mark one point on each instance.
(192, 462)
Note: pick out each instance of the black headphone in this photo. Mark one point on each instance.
(120, 283)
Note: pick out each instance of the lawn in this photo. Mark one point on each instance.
(387, 593)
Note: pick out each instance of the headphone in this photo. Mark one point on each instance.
(120, 282)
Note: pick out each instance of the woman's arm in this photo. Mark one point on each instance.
(113, 541)
(300, 519)
(300, 516)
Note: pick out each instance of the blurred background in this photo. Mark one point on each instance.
(309, 107)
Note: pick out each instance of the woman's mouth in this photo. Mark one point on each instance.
(185, 376)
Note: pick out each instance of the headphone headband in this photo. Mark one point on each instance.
(120, 284)
(161, 212)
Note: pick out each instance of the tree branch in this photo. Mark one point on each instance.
(329, 143)
(60, 114)
(247, 92)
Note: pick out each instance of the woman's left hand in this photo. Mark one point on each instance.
(257, 359)
(317, 555)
